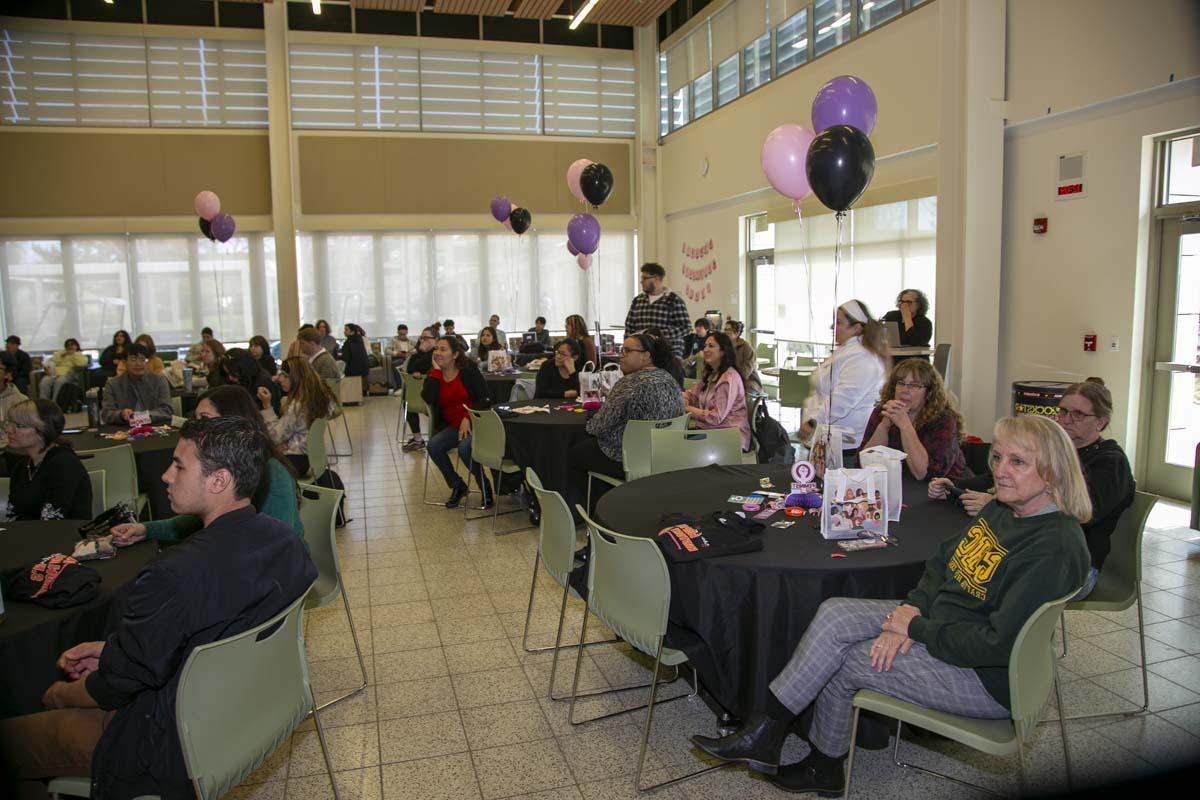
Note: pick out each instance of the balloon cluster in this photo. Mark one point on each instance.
(591, 184)
(215, 225)
(836, 162)
(515, 218)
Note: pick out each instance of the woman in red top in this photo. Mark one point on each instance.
(454, 382)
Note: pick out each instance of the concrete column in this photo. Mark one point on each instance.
(646, 195)
(971, 202)
(283, 197)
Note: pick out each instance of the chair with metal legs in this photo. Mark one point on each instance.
(635, 450)
(1119, 584)
(1032, 676)
(335, 386)
(629, 590)
(487, 450)
(318, 514)
(411, 401)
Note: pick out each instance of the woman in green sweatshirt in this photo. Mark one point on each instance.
(277, 495)
(947, 646)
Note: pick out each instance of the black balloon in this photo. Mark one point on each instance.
(596, 183)
(520, 219)
(206, 229)
(840, 164)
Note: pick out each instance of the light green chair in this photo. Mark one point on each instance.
(177, 406)
(318, 456)
(263, 671)
(765, 354)
(411, 402)
(794, 388)
(1119, 584)
(753, 401)
(1032, 675)
(99, 492)
(487, 450)
(120, 467)
(335, 386)
(318, 515)
(675, 450)
(629, 590)
(635, 450)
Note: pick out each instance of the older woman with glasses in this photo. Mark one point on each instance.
(1085, 411)
(916, 415)
(48, 479)
(912, 306)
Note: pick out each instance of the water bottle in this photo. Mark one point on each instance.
(93, 414)
(187, 379)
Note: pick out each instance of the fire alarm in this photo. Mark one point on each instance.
(1089, 343)
(1040, 224)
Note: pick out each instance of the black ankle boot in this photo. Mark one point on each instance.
(456, 495)
(816, 773)
(757, 744)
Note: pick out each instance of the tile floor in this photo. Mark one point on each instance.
(456, 709)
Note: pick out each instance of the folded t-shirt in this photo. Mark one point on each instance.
(688, 538)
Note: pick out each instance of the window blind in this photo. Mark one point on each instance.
(589, 95)
(207, 82)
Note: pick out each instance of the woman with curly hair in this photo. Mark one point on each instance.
(916, 415)
(308, 398)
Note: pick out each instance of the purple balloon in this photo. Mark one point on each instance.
(845, 100)
(572, 249)
(583, 231)
(222, 227)
(501, 208)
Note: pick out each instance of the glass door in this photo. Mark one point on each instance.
(1175, 395)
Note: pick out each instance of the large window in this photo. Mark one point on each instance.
(757, 58)
(885, 248)
(791, 43)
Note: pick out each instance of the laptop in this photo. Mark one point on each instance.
(528, 337)
(892, 331)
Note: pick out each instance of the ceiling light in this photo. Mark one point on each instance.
(800, 45)
(316, 6)
(868, 6)
(583, 12)
(842, 20)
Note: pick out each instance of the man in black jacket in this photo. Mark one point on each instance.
(19, 362)
(114, 719)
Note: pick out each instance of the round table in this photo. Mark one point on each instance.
(32, 637)
(542, 440)
(742, 616)
(500, 384)
(153, 457)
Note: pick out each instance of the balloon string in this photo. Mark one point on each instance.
(837, 270)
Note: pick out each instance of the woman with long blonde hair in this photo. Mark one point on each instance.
(307, 399)
(916, 414)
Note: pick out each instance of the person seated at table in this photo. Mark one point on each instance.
(136, 390)
(747, 361)
(454, 382)
(327, 341)
(540, 334)
(693, 343)
(114, 718)
(211, 353)
(260, 349)
(418, 366)
(10, 395)
(239, 368)
(154, 364)
(400, 348)
(277, 495)
(675, 366)
(577, 329)
(1085, 410)
(449, 326)
(48, 480)
(947, 645)
(113, 353)
(916, 329)
(719, 399)
(501, 336)
(308, 399)
(22, 364)
(62, 370)
(848, 383)
(915, 414)
(309, 342)
(486, 343)
(193, 354)
(646, 391)
(354, 353)
(557, 378)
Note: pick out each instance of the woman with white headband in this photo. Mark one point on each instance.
(848, 383)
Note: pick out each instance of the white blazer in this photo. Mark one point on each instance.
(848, 386)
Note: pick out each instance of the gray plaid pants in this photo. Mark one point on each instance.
(833, 661)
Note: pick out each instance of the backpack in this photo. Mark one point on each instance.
(772, 439)
(331, 480)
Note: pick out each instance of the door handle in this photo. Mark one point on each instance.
(1173, 366)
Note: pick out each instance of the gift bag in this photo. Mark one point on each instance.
(855, 503)
(498, 361)
(589, 382)
(827, 444)
(888, 459)
(608, 378)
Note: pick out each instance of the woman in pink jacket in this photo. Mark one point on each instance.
(719, 399)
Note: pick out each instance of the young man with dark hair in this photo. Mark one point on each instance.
(658, 307)
(449, 331)
(114, 718)
(540, 334)
(19, 363)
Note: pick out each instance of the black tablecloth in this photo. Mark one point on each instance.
(542, 440)
(153, 457)
(750, 611)
(500, 386)
(32, 637)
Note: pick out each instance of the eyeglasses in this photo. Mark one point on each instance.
(14, 425)
(1072, 415)
(426, 338)
(910, 386)
(907, 303)
(633, 350)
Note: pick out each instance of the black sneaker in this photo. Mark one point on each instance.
(813, 774)
(456, 496)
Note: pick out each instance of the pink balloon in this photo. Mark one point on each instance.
(784, 154)
(584, 260)
(507, 223)
(207, 205)
(573, 173)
